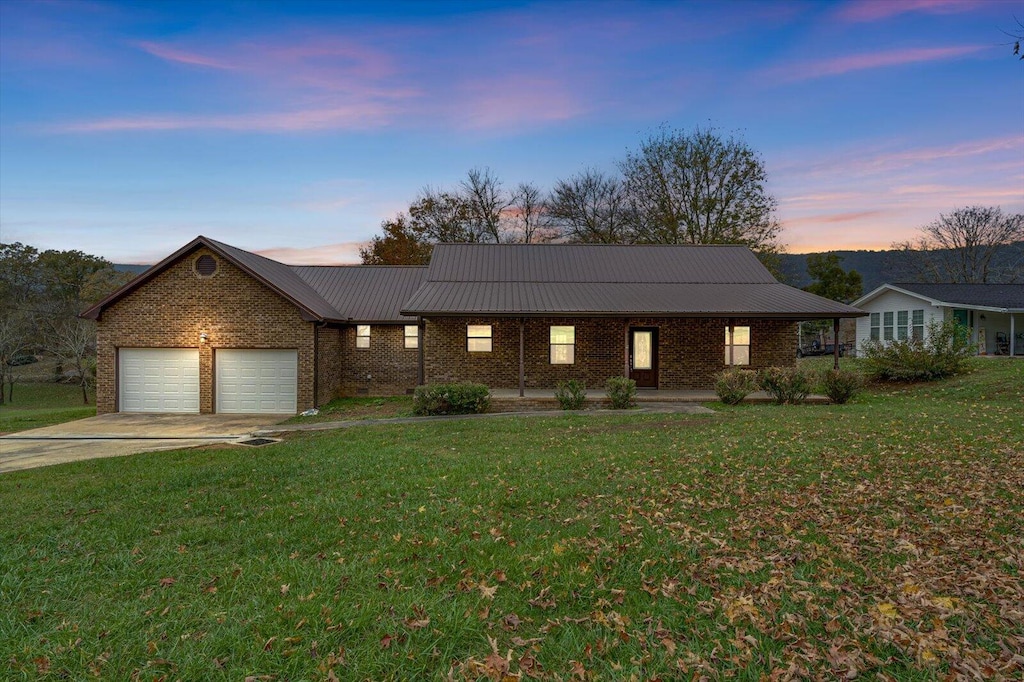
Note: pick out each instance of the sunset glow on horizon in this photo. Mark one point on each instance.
(294, 129)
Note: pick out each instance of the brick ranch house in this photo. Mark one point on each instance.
(213, 328)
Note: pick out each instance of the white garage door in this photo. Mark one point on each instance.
(252, 381)
(159, 379)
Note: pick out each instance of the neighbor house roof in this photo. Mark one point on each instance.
(995, 297)
(336, 293)
(600, 279)
(365, 293)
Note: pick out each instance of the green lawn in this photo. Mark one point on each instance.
(38, 404)
(344, 409)
(884, 536)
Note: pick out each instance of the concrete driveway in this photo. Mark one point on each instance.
(116, 435)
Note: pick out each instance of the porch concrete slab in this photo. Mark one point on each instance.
(117, 435)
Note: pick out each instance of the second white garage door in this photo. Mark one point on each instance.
(256, 381)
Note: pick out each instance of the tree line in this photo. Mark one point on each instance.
(41, 294)
(676, 187)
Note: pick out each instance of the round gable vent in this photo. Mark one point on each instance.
(206, 265)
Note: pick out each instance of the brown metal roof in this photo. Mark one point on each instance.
(596, 263)
(495, 279)
(365, 293)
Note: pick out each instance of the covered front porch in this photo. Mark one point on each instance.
(996, 332)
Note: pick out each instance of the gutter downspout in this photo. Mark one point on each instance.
(522, 374)
(835, 342)
(419, 370)
(316, 364)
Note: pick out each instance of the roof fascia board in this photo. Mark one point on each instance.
(641, 313)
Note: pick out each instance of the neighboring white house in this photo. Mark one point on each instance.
(993, 312)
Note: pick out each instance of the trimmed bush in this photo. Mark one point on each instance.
(461, 398)
(734, 384)
(840, 384)
(946, 352)
(786, 385)
(621, 393)
(571, 395)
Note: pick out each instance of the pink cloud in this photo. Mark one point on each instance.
(503, 103)
(806, 70)
(345, 253)
(171, 54)
(875, 10)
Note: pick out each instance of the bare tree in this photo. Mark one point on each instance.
(700, 188)
(591, 207)
(527, 215)
(439, 216)
(486, 201)
(972, 245)
(16, 334)
(74, 342)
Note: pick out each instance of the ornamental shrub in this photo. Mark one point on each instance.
(946, 352)
(621, 393)
(460, 398)
(571, 395)
(735, 384)
(840, 384)
(786, 385)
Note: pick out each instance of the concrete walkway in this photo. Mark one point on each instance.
(116, 435)
(647, 408)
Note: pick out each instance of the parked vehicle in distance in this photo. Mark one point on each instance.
(819, 349)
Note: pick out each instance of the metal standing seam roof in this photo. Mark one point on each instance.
(365, 293)
(610, 280)
(1010, 296)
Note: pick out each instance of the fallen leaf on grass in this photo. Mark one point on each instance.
(167, 582)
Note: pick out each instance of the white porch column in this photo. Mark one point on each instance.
(1013, 338)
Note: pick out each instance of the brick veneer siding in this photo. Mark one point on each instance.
(690, 350)
(387, 367)
(329, 364)
(173, 308)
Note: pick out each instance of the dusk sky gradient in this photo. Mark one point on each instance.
(293, 129)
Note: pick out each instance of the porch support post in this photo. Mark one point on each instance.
(835, 343)
(1013, 338)
(419, 352)
(522, 365)
(625, 348)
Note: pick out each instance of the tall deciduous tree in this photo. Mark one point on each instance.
(486, 202)
(700, 188)
(830, 280)
(591, 207)
(967, 246)
(398, 245)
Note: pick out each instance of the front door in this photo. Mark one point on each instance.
(643, 356)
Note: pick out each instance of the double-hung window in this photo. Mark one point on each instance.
(876, 326)
(887, 328)
(362, 336)
(563, 345)
(478, 338)
(412, 336)
(917, 325)
(737, 345)
(902, 322)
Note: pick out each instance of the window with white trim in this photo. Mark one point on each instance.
(902, 322)
(917, 325)
(478, 338)
(887, 327)
(362, 336)
(412, 336)
(737, 345)
(563, 345)
(876, 326)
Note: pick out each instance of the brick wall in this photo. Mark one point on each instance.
(173, 308)
(329, 364)
(691, 350)
(387, 367)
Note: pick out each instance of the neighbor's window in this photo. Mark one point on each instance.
(902, 321)
(362, 336)
(563, 345)
(737, 345)
(887, 318)
(917, 319)
(412, 336)
(876, 326)
(478, 338)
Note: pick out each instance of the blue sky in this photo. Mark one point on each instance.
(293, 129)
